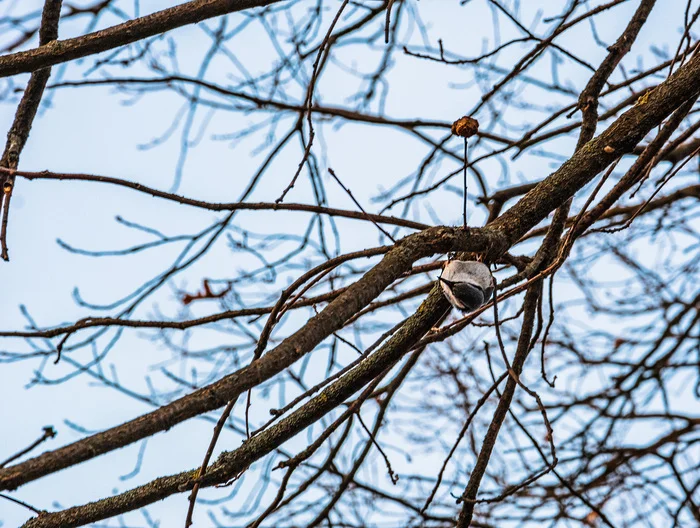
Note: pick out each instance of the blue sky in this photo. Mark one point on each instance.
(95, 130)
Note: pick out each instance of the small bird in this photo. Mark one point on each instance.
(466, 284)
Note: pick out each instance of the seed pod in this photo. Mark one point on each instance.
(465, 127)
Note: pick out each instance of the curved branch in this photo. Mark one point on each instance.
(213, 206)
(619, 138)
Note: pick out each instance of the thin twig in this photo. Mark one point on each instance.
(349, 193)
(392, 475)
(49, 432)
(462, 432)
(207, 457)
(24, 117)
(387, 23)
(22, 503)
(466, 189)
(323, 52)
(213, 206)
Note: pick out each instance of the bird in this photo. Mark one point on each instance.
(467, 285)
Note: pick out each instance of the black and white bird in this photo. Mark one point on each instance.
(466, 284)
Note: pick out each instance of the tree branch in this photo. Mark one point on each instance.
(122, 34)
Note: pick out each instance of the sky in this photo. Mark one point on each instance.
(96, 130)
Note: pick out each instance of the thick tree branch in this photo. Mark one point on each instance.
(523, 349)
(231, 464)
(24, 117)
(588, 100)
(621, 137)
(122, 34)
(332, 318)
(618, 139)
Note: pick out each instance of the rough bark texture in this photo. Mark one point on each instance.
(131, 31)
(356, 297)
(622, 136)
(666, 105)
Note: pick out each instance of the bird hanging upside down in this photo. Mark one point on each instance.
(466, 284)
